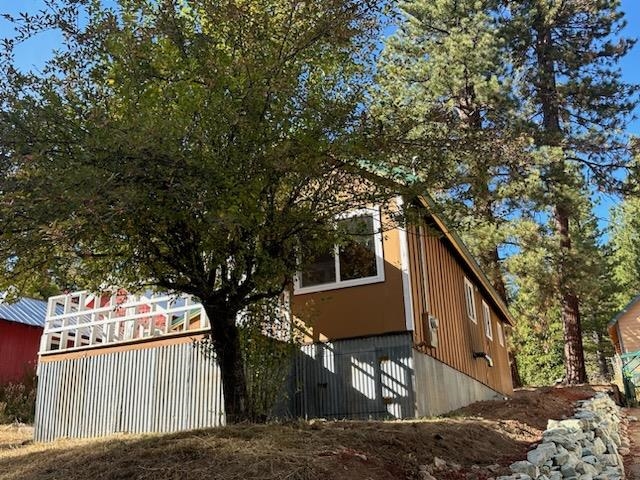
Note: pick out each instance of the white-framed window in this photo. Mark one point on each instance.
(486, 317)
(500, 334)
(470, 300)
(359, 260)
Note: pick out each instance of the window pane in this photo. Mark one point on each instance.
(321, 271)
(358, 252)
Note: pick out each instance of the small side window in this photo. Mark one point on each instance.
(486, 316)
(500, 334)
(470, 300)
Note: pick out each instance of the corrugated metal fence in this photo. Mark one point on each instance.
(358, 379)
(176, 387)
(163, 389)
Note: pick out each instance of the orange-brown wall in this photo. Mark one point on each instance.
(357, 311)
(458, 337)
(629, 329)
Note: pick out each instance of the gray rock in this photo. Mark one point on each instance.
(590, 459)
(551, 431)
(555, 475)
(586, 476)
(568, 470)
(610, 459)
(525, 467)
(541, 454)
(552, 424)
(561, 459)
(572, 424)
(598, 447)
(585, 468)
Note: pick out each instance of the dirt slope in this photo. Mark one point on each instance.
(470, 440)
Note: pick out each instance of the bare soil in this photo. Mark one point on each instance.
(632, 461)
(477, 442)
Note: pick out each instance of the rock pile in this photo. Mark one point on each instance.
(586, 447)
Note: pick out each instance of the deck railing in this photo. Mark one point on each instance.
(84, 320)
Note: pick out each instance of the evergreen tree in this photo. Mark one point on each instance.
(537, 305)
(566, 53)
(443, 91)
(625, 243)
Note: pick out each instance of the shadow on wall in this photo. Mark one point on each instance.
(356, 379)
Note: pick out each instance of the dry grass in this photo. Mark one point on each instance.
(295, 451)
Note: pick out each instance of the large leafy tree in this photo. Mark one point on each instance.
(196, 146)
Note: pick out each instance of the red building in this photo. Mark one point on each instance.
(21, 325)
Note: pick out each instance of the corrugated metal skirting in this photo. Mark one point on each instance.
(358, 379)
(162, 389)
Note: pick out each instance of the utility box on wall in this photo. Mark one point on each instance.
(431, 325)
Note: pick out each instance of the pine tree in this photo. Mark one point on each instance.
(567, 54)
(538, 339)
(625, 244)
(443, 91)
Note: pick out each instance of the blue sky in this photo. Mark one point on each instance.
(36, 51)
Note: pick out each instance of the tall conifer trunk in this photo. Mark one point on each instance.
(551, 136)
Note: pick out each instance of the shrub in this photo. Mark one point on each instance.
(18, 400)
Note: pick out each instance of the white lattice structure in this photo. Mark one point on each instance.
(84, 320)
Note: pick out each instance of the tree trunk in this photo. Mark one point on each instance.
(225, 337)
(552, 135)
(515, 373)
(575, 371)
(603, 364)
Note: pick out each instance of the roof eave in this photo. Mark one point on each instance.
(471, 262)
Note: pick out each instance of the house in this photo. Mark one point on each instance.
(21, 325)
(624, 332)
(398, 323)
(403, 323)
(624, 328)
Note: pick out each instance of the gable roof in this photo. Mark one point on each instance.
(628, 307)
(27, 311)
(468, 258)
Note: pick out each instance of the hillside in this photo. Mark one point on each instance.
(477, 442)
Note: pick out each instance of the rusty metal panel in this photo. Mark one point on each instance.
(163, 389)
(359, 379)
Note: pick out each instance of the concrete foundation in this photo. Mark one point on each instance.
(441, 389)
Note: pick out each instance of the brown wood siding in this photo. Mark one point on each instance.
(629, 329)
(458, 336)
(357, 311)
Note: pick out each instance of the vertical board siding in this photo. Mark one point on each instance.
(458, 337)
(358, 379)
(162, 389)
